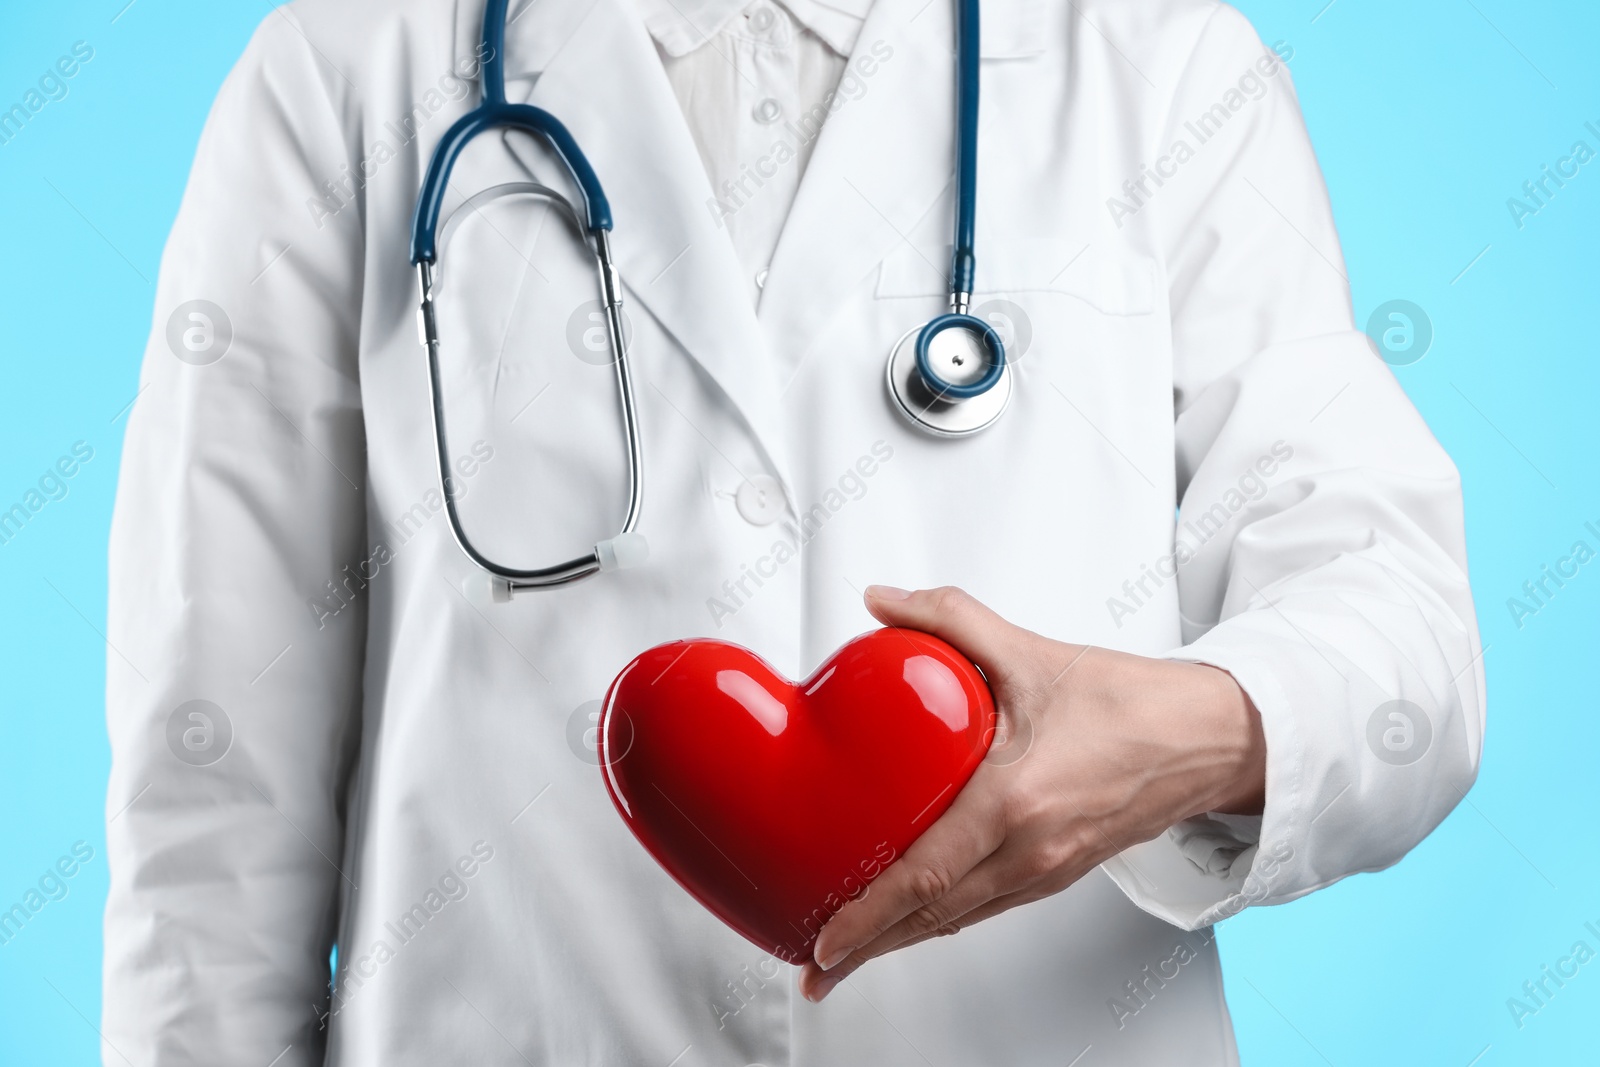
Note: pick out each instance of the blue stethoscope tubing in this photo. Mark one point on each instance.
(495, 113)
(963, 260)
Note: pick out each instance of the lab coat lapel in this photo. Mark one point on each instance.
(880, 166)
(600, 75)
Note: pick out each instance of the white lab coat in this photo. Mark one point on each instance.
(405, 772)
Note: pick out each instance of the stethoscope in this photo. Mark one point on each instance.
(947, 377)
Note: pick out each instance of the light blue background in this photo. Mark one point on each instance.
(1427, 117)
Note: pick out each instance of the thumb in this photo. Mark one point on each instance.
(954, 616)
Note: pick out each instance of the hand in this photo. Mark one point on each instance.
(1122, 747)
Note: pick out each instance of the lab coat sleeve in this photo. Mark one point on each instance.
(240, 499)
(1319, 555)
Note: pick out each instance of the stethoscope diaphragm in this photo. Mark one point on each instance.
(959, 356)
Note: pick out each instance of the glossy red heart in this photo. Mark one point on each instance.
(772, 802)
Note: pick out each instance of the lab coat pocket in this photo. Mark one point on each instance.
(1113, 283)
(1046, 296)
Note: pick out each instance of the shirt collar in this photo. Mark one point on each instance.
(681, 26)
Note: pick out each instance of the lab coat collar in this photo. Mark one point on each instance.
(598, 72)
(881, 163)
(681, 26)
(838, 23)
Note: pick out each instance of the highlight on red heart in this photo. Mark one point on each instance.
(774, 802)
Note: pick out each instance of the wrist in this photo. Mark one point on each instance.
(1230, 729)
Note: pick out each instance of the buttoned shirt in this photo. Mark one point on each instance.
(755, 81)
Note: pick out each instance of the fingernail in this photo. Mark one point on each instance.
(887, 592)
(833, 959)
(823, 988)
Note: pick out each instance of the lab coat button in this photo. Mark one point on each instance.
(762, 20)
(768, 111)
(760, 500)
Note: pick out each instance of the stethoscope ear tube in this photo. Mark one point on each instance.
(628, 547)
(493, 112)
(484, 118)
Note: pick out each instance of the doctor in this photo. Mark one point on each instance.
(1212, 558)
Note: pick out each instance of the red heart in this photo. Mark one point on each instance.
(773, 803)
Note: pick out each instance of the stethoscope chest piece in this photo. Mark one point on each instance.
(964, 359)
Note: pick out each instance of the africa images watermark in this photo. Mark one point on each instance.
(798, 133)
(199, 733)
(1202, 526)
(345, 588)
(1250, 87)
(339, 191)
(1537, 992)
(1538, 592)
(51, 485)
(51, 885)
(743, 989)
(1538, 192)
(354, 971)
(1139, 992)
(52, 85)
(851, 485)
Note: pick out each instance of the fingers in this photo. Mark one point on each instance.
(936, 862)
(815, 983)
(996, 876)
(953, 615)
